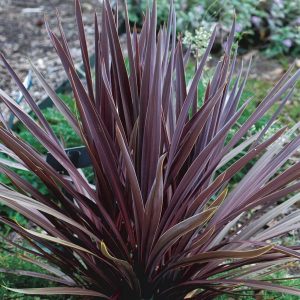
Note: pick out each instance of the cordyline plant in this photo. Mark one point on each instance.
(157, 222)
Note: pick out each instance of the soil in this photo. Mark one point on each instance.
(23, 34)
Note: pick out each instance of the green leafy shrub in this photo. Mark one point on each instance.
(11, 269)
(284, 24)
(159, 222)
(272, 25)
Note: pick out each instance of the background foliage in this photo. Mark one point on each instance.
(271, 25)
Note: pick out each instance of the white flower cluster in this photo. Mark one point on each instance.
(197, 41)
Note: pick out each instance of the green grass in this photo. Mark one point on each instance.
(59, 125)
(15, 263)
(288, 282)
(68, 138)
(7, 261)
(12, 262)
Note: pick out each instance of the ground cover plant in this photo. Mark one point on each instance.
(159, 221)
(272, 26)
